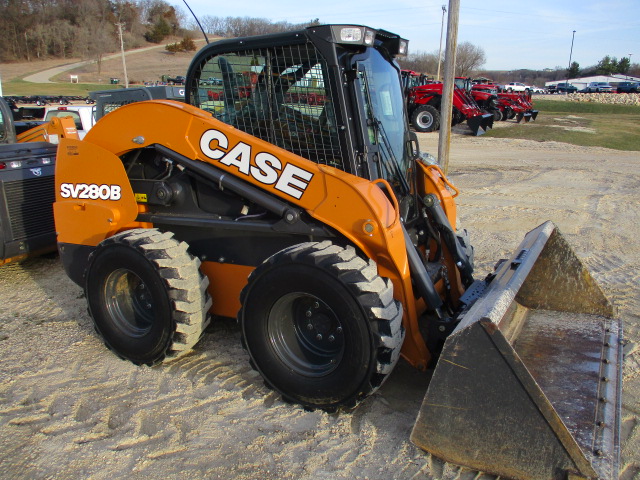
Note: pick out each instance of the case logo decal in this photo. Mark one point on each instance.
(265, 168)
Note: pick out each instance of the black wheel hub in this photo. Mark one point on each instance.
(306, 334)
(129, 302)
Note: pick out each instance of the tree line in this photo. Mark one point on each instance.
(470, 59)
(88, 29)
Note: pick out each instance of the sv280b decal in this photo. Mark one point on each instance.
(90, 191)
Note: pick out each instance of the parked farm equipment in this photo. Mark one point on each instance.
(424, 107)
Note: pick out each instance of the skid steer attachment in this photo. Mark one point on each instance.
(529, 383)
(480, 124)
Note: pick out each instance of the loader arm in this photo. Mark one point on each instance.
(52, 131)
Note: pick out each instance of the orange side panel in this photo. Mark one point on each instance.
(94, 198)
(226, 281)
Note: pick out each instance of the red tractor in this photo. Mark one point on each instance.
(423, 105)
(510, 105)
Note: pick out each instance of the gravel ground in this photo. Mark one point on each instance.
(70, 409)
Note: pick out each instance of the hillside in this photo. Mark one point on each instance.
(147, 66)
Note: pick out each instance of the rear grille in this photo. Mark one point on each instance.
(30, 205)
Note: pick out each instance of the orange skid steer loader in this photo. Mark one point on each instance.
(321, 227)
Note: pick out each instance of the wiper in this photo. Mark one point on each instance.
(391, 157)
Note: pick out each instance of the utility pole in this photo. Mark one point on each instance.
(124, 64)
(446, 106)
(444, 10)
(566, 92)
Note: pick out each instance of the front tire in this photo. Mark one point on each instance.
(147, 296)
(320, 325)
(425, 118)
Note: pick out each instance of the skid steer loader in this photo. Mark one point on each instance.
(288, 190)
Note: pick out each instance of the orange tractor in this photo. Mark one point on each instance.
(328, 235)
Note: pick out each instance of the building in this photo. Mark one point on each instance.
(581, 83)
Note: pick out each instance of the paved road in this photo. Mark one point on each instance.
(45, 75)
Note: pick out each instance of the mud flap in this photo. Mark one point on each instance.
(529, 383)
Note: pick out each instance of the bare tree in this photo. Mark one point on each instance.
(421, 62)
(469, 57)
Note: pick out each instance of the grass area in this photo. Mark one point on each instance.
(20, 87)
(587, 124)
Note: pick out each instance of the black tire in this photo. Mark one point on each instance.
(147, 296)
(320, 325)
(425, 118)
(510, 113)
(497, 114)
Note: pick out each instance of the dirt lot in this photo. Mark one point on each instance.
(70, 409)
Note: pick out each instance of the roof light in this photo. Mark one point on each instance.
(402, 48)
(350, 34)
(369, 35)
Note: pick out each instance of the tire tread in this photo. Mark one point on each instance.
(373, 293)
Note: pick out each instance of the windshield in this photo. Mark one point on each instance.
(387, 124)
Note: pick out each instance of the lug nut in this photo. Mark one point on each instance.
(309, 326)
(308, 313)
(319, 337)
(331, 338)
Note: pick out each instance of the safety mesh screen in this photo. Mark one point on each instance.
(281, 95)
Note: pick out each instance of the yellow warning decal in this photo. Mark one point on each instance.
(141, 197)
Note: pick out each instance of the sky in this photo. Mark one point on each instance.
(513, 34)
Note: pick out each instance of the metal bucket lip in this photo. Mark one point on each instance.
(595, 449)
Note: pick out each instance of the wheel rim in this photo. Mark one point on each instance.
(129, 303)
(306, 334)
(425, 120)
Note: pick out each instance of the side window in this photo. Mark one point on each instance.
(279, 95)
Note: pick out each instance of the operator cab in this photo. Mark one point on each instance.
(331, 94)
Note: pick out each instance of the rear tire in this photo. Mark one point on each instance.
(425, 118)
(320, 325)
(147, 296)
